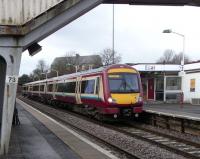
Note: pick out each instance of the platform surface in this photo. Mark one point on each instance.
(186, 111)
(31, 140)
(37, 137)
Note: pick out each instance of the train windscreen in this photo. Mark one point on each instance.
(123, 83)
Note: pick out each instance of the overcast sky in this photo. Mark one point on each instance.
(138, 34)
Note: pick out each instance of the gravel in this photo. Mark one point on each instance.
(184, 136)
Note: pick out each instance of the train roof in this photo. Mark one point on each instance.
(87, 72)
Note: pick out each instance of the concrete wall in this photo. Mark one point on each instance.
(188, 95)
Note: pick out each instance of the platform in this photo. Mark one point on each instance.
(184, 111)
(39, 136)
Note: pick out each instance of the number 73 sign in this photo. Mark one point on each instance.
(11, 79)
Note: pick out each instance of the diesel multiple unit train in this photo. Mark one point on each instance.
(108, 92)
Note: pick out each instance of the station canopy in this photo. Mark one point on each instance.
(19, 12)
(157, 2)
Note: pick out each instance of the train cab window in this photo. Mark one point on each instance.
(42, 88)
(123, 83)
(50, 88)
(89, 87)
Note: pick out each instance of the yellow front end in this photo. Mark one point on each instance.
(125, 99)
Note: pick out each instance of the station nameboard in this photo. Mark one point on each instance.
(150, 67)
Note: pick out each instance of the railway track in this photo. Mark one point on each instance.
(172, 144)
(179, 146)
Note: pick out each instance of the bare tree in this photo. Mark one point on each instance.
(170, 57)
(40, 70)
(109, 57)
(167, 57)
(42, 66)
(179, 57)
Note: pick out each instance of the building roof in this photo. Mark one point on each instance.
(80, 60)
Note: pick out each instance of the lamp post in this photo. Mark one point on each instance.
(46, 73)
(181, 98)
(183, 53)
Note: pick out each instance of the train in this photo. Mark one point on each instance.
(111, 92)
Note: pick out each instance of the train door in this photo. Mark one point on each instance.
(151, 88)
(78, 90)
(3, 66)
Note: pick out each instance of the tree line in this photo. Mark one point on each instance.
(69, 63)
(72, 60)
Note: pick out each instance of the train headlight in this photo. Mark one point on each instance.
(110, 100)
(140, 99)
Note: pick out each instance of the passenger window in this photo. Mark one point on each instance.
(50, 88)
(42, 88)
(97, 85)
(89, 87)
(70, 87)
(36, 88)
(83, 84)
(60, 87)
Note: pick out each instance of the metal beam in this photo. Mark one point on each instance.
(155, 2)
(58, 22)
(22, 30)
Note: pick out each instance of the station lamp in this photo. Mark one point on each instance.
(34, 49)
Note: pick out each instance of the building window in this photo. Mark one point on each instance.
(173, 83)
(172, 97)
(192, 85)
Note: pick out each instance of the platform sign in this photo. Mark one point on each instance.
(192, 85)
(11, 79)
(150, 68)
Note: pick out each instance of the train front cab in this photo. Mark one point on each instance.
(123, 92)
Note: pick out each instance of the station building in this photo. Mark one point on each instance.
(168, 83)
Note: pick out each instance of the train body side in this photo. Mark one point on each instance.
(93, 92)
